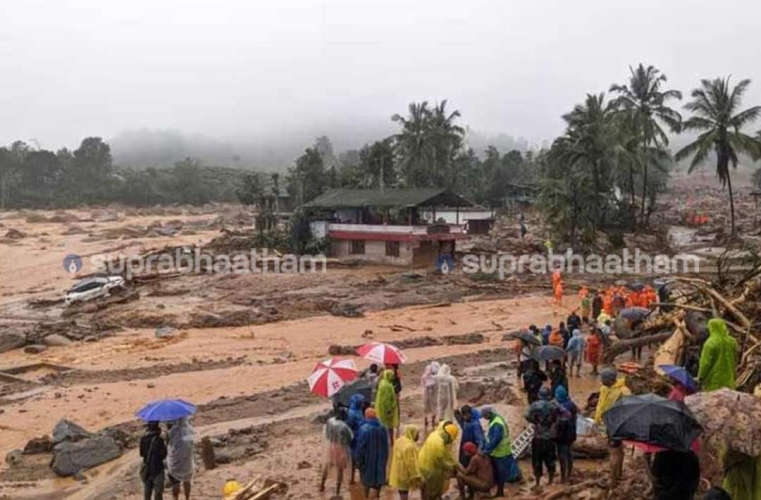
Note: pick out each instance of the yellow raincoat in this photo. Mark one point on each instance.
(608, 396)
(404, 474)
(385, 401)
(436, 463)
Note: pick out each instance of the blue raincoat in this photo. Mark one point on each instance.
(372, 453)
(471, 432)
(355, 419)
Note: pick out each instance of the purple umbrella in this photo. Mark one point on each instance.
(681, 375)
(165, 410)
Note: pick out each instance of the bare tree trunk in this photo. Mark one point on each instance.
(731, 201)
(644, 191)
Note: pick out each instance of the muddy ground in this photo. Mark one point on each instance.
(241, 346)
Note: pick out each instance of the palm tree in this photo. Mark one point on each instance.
(643, 106)
(591, 142)
(715, 116)
(445, 140)
(412, 141)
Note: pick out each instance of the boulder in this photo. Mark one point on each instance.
(66, 430)
(38, 445)
(13, 458)
(56, 340)
(69, 458)
(35, 348)
(10, 341)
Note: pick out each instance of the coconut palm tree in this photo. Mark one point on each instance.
(719, 122)
(591, 141)
(412, 141)
(445, 141)
(642, 104)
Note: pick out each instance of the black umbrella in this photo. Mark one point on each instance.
(525, 337)
(547, 353)
(359, 386)
(651, 419)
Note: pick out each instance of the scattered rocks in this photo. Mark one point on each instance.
(10, 341)
(15, 234)
(69, 458)
(13, 458)
(164, 332)
(38, 445)
(56, 340)
(35, 348)
(66, 430)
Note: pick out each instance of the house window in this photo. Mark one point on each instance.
(357, 247)
(392, 249)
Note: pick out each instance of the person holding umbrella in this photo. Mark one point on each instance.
(153, 452)
(153, 449)
(612, 390)
(683, 383)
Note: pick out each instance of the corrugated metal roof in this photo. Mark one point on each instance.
(404, 197)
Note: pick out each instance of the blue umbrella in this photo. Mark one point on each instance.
(681, 375)
(166, 409)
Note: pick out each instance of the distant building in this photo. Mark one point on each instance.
(393, 226)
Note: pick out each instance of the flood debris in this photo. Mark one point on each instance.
(75, 449)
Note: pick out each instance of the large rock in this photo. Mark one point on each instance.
(56, 340)
(35, 348)
(38, 445)
(70, 458)
(10, 341)
(66, 430)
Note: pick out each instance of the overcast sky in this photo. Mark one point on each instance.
(259, 68)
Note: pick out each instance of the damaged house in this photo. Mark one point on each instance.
(392, 226)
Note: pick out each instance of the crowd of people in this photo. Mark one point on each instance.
(471, 448)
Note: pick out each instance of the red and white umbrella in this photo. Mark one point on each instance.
(330, 375)
(382, 353)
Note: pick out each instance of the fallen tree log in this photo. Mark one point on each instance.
(668, 352)
(591, 448)
(623, 346)
(569, 491)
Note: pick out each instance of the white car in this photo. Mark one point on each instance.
(91, 288)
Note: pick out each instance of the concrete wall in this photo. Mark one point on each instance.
(375, 251)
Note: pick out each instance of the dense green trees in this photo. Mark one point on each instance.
(717, 119)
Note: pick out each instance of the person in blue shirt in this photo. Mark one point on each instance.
(469, 420)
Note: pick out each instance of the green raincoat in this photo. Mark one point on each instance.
(743, 477)
(718, 360)
(385, 401)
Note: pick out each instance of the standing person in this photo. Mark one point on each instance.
(478, 476)
(557, 376)
(522, 222)
(543, 415)
(573, 320)
(355, 420)
(385, 404)
(596, 306)
(533, 379)
(575, 351)
(534, 330)
(371, 375)
(675, 475)
(397, 382)
(612, 390)
(469, 420)
(586, 305)
(556, 337)
(565, 333)
(404, 474)
(435, 461)
(153, 453)
(428, 381)
(718, 358)
(372, 453)
(338, 436)
(678, 391)
(179, 460)
(594, 349)
(446, 393)
(566, 432)
(546, 334)
(499, 449)
(605, 331)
